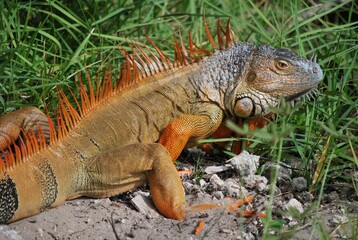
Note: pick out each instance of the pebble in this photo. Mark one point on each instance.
(227, 231)
(292, 223)
(40, 231)
(187, 186)
(337, 219)
(299, 184)
(262, 187)
(294, 203)
(306, 197)
(284, 170)
(202, 183)
(245, 163)
(216, 181)
(218, 195)
(252, 181)
(232, 188)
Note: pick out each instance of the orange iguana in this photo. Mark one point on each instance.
(121, 137)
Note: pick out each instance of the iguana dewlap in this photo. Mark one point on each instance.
(124, 136)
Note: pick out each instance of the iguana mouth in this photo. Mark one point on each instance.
(311, 93)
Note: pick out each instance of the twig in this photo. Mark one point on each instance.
(111, 221)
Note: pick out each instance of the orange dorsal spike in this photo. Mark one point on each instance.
(85, 100)
(165, 60)
(178, 54)
(220, 39)
(208, 34)
(138, 63)
(191, 46)
(184, 53)
(228, 32)
(142, 57)
(53, 132)
(107, 85)
(144, 70)
(156, 65)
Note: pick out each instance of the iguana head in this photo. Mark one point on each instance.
(271, 74)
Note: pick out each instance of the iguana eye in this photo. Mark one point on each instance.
(282, 64)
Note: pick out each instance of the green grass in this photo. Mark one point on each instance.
(44, 43)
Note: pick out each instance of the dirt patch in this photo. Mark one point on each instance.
(295, 212)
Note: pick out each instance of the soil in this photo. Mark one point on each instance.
(295, 212)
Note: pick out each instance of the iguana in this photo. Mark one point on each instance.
(123, 136)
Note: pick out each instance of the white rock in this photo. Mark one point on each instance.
(145, 205)
(202, 183)
(232, 188)
(294, 203)
(216, 182)
(218, 195)
(252, 181)
(216, 169)
(245, 163)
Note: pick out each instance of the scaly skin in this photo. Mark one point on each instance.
(134, 136)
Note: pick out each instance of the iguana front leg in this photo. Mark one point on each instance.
(180, 130)
(24, 119)
(127, 167)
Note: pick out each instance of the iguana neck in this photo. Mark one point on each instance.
(220, 74)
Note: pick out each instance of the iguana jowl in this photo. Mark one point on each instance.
(124, 136)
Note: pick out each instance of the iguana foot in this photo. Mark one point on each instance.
(231, 207)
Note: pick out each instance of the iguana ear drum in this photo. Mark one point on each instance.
(244, 107)
(8, 199)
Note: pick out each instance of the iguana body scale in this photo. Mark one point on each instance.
(121, 137)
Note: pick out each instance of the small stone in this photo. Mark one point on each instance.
(332, 196)
(216, 169)
(294, 203)
(245, 163)
(187, 186)
(306, 197)
(227, 231)
(40, 231)
(248, 236)
(284, 171)
(218, 195)
(216, 182)
(252, 181)
(232, 188)
(261, 187)
(252, 230)
(299, 184)
(292, 223)
(145, 206)
(338, 219)
(202, 183)
(288, 196)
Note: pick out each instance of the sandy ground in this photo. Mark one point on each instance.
(117, 218)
